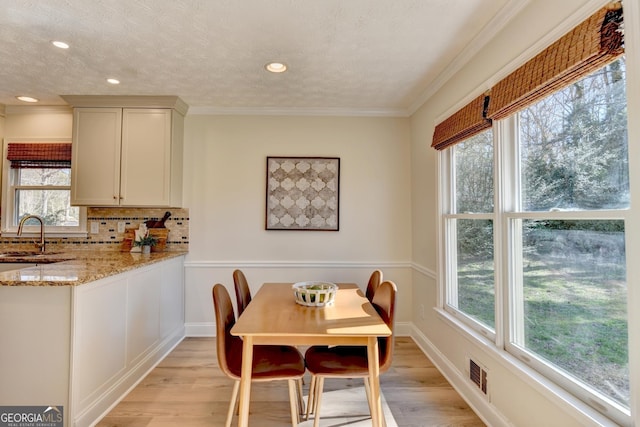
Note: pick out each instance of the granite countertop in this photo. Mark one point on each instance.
(77, 268)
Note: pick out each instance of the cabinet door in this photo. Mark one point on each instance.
(95, 161)
(146, 157)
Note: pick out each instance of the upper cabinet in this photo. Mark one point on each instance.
(127, 152)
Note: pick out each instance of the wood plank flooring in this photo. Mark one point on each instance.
(187, 389)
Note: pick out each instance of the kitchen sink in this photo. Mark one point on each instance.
(18, 254)
(32, 256)
(10, 266)
(21, 254)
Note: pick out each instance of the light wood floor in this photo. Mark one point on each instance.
(188, 390)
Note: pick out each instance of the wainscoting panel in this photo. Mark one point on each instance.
(201, 276)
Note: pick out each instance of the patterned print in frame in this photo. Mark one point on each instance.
(303, 193)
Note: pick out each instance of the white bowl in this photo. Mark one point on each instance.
(315, 294)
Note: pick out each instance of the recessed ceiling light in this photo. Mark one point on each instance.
(276, 67)
(114, 81)
(61, 45)
(27, 99)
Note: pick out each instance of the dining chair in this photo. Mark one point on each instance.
(243, 298)
(374, 281)
(243, 293)
(351, 361)
(270, 362)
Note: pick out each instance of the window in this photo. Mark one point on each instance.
(38, 182)
(534, 235)
(470, 225)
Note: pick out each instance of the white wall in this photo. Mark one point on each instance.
(2, 114)
(224, 189)
(518, 396)
(50, 123)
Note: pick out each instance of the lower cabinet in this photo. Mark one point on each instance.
(82, 348)
(123, 327)
(35, 346)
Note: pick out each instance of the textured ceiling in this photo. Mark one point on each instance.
(343, 55)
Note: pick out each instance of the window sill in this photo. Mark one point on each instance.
(569, 403)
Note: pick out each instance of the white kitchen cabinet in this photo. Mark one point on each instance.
(124, 325)
(95, 158)
(125, 154)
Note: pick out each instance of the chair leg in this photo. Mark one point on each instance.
(237, 407)
(367, 389)
(312, 398)
(293, 400)
(317, 400)
(300, 396)
(232, 403)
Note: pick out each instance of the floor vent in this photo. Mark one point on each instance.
(478, 375)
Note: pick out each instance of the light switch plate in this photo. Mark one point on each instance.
(94, 227)
(121, 226)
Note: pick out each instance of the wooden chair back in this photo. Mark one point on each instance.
(243, 293)
(228, 347)
(374, 281)
(384, 301)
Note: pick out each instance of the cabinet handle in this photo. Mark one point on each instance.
(115, 197)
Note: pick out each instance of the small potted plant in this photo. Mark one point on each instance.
(146, 242)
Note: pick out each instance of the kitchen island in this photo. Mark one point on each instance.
(79, 333)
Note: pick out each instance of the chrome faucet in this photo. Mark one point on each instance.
(40, 245)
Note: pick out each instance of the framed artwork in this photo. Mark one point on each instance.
(303, 193)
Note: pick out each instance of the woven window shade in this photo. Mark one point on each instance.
(464, 123)
(39, 155)
(588, 47)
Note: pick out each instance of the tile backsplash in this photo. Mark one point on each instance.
(108, 238)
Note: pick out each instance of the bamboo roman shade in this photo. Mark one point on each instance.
(39, 155)
(464, 123)
(588, 47)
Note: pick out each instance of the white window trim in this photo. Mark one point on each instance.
(584, 414)
(517, 367)
(447, 275)
(528, 365)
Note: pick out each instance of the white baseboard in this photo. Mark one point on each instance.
(200, 329)
(128, 380)
(480, 405)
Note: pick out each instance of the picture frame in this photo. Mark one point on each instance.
(303, 193)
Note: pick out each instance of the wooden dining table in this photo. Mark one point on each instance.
(273, 317)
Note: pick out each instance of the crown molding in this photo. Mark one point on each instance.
(134, 101)
(569, 23)
(490, 30)
(292, 111)
(493, 27)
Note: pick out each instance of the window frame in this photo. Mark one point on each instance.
(7, 211)
(448, 216)
(508, 286)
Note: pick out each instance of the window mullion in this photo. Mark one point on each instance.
(500, 199)
(511, 233)
(451, 254)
